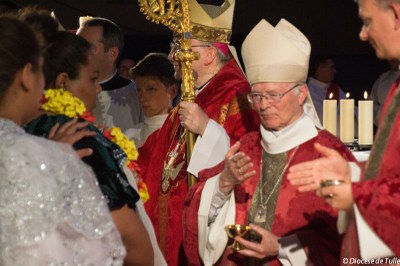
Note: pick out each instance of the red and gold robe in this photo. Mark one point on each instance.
(378, 199)
(303, 214)
(223, 100)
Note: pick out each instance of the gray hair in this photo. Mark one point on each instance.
(300, 84)
(222, 58)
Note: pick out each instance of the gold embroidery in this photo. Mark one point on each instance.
(222, 114)
(173, 163)
(263, 205)
(211, 34)
(235, 106)
(238, 104)
(269, 185)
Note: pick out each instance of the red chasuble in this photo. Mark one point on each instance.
(223, 100)
(378, 199)
(304, 214)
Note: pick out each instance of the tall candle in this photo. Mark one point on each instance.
(330, 115)
(365, 121)
(347, 119)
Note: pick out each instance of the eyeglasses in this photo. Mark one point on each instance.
(256, 97)
(177, 46)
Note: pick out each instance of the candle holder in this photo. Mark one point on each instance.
(355, 146)
(234, 230)
(364, 147)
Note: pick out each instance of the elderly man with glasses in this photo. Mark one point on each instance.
(251, 186)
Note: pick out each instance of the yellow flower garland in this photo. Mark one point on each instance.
(59, 101)
(125, 143)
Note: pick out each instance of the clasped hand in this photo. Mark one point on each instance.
(192, 117)
(269, 245)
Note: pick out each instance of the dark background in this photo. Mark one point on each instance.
(332, 26)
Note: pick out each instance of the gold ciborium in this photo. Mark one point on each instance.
(234, 230)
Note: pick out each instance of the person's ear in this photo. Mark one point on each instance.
(211, 54)
(395, 7)
(113, 52)
(61, 80)
(173, 91)
(28, 77)
(249, 101)
(303, 94)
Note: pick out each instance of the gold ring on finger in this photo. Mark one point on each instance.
(330, 182)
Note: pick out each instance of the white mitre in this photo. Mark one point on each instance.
(278, 54)
(211, 23)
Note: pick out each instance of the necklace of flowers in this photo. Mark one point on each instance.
(60, 101)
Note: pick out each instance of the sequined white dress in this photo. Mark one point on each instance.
(51, 209)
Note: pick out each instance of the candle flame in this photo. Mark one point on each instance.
(347, 95)
(330, 95)
(365, 95)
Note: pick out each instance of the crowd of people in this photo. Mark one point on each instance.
(94, 166)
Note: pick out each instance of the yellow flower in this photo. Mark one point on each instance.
(60, 101)
(127, 145)
(144, 195)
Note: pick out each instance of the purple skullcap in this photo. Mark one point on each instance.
(222, 47)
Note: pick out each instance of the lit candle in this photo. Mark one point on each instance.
(330, 114)
(347, 119)
(365, 121)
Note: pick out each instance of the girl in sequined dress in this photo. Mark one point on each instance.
(70, 65)
(51, 209)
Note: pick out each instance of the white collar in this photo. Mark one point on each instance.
(108, 79)
(302, 130)
(318, 83)
(198, 90)
(155, 120)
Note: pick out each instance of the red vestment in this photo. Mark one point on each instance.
(223, 100)
(378, 199)
(303, 214)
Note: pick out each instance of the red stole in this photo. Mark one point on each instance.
(223, 100)
(305, 214)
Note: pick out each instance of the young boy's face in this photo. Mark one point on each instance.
(155, 98)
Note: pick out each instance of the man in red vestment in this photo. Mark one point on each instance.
(250, 186)
(373, 203)
(220, 110)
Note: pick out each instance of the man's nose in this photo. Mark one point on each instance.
(171, 54)
(363, 34)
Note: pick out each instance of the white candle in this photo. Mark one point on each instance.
(330, 115)
(365, 121)
(347, 119)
